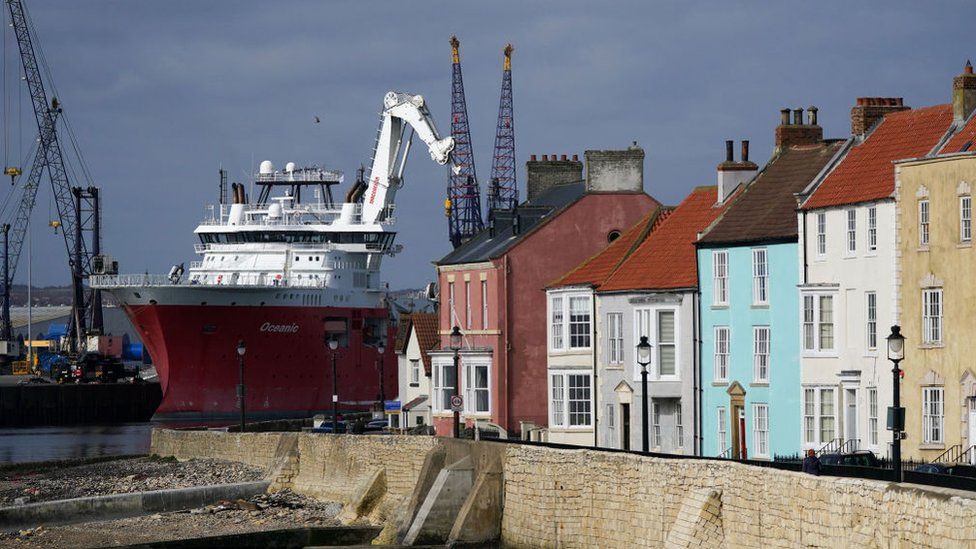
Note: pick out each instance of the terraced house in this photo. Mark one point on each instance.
(748, 276)
(936, 291)
(848, 269)
(492, 288)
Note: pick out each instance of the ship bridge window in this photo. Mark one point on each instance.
(377, 241)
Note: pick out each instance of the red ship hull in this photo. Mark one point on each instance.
(287, 365)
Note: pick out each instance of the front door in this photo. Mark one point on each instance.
(743, 449)
(850, 415)
(625, 426)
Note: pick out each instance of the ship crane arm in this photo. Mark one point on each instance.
(401, 111)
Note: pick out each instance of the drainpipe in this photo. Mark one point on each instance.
(696, 321)
(804, 246)
(594, 390)
(507, 333)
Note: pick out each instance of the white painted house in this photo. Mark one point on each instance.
(848, 278)
(417, 336)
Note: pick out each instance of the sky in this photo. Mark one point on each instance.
(161, 93)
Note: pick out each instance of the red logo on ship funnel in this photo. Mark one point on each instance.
(376, 185)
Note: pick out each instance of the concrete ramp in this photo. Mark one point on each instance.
(435, 518)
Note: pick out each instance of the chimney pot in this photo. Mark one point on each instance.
(728, 150)
(745, 150)
(969, 68)
(798, 117)
(812, 115)
(545, 157)
(563, 157)
(575, 158)
(784, 117)
(532, 158)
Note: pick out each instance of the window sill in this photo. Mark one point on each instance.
(849, 255)
(759, 384)
(814, 354)
(964, 245)
(932, 446)
(925, 346)
(871, 253)
(921, 249)
(575, 429)
(720, 384)
(614, 367)
(720, 306)
(760, 305)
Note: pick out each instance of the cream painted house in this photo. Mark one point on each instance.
(416, 337)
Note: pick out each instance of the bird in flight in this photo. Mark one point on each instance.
(317, 120)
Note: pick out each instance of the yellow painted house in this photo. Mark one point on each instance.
(936, 282)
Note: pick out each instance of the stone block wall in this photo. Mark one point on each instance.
(582, 498)
(257, 449)
(333, 467)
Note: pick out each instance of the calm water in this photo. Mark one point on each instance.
(47, 443)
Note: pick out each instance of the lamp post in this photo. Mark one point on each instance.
(644, 358)
(333, 345)
(380, 351)
(896, 414)
(456, 347)
(241, 390)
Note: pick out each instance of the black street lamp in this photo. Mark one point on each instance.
(644, 358)
(380, 351)
(241, 390)
(896, 414)
(456, 347)
(333, 346)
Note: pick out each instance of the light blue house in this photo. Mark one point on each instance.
(748, 272)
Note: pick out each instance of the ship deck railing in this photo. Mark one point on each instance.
(298, 215)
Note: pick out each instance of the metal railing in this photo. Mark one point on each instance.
(832, 447)
(956, 454)
(129, 280)
(727, 454)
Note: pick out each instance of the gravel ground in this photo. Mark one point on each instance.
(263, 512)
(24, 485)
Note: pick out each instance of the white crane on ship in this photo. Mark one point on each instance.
(400, 110)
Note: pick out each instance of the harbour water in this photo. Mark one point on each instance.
(55, 443)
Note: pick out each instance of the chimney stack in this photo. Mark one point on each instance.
(615, 170)
(869, 110)
(731, 174)
(549, 172)
(963, 94)
(812, 112)
(797, 133)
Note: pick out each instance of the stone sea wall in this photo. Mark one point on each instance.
(583, 498)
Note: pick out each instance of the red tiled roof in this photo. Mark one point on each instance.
(963, 140)
(667, 259)
(425, 324)
(866, 173)
(597, 268)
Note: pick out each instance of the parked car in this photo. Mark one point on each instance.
(861, 458)
(327, 427)
(954, 469)
(935, 468)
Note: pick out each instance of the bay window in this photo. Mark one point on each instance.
(576, 333)
(476, 390)
(570, 402)
(443, 381)
(819, 415)
(818, 323)
(556, 323)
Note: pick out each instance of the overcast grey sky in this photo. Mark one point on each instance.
(160, 93)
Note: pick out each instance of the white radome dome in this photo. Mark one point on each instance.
(266, 167)
(289, 167)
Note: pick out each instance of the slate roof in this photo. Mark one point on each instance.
(595, 270)
(483, 246)
(667, 258)
(766, 209)
(866, 172)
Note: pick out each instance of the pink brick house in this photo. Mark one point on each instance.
(493, 286)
